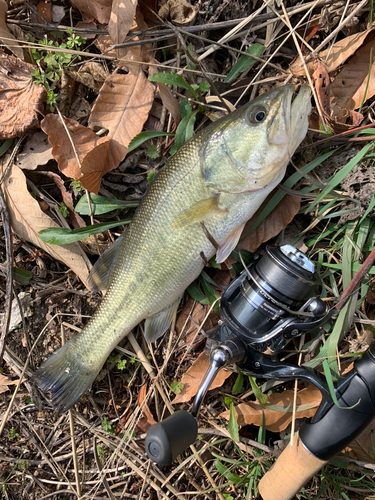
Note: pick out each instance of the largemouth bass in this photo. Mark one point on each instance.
(195, 208)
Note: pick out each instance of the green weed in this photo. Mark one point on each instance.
(50, 64)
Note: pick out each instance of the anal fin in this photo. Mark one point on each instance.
(229, 244)
(99, 277)
(158, 324)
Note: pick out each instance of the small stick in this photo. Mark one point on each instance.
(9, 252)
(292, 30)
(365, 267)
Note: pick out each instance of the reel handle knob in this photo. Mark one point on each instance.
(167, 439)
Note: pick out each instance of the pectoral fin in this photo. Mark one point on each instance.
(99, 276)
(201, 211)
(158, 324)
(229, 244)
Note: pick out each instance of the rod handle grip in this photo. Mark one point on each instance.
(294, 467)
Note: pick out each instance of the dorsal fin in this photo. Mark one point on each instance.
(99, 277)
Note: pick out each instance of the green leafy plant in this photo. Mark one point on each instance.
(13, 434)
(102, 205)
(101, 451)
(63, 209)
(185, 129)
(108, 427)
(76, 185)
(50, 64)
(177, 387)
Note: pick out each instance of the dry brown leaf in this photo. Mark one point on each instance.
(122, 107)
(5, 382)
(278, 220)
(349, 86)
(27, 219)
(103, 43)
(364, 445)
(87, 25)
(148, 419)
(122, 15)
(93, 152)
(36, 151)
(5, 35)
(180, 12)
(322, 87)
(193, 378)
(166, 95)
(44, 9)
(67, 198)
(308, 400)
(91, 74)
(21, 101)
(98, 9)
(193, 314)
(139, 52)
(338, 119)
(335, 56)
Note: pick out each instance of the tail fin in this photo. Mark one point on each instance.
(64, 378)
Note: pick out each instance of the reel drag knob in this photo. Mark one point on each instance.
(167, 439)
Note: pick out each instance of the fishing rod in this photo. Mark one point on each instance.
(261, 311)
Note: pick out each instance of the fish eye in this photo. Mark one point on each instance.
(257, 115)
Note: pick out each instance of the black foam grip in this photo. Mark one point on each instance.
(167, 439)
(339, 426)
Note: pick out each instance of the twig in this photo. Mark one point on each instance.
(353, 285)
(103, 478)
(337, 30)
(9, 252)
(9, 273)
(281, 44)
(234, 31)
(292, 30)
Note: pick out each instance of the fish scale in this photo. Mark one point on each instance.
(219, 178)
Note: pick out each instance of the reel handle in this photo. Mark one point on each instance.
(167, 439)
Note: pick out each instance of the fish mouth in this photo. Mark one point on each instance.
(290, 117)
(299, 116)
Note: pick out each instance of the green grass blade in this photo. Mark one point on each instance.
(341, 174)
(233, 425)
(289, 183)
(331, 387)
(102, 205)
(245, 62)
(145, 136)
(64, 236)
(173, 79)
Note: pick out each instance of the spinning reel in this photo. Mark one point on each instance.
(261, 311)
